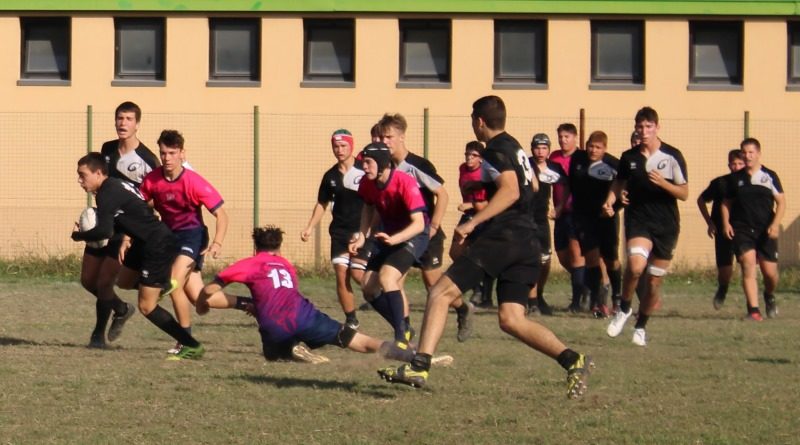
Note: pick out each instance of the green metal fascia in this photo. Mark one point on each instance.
(634, 7)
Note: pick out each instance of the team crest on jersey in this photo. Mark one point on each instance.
(741, 183)
(333, 183)
(633, 165)
(662, 165)
(764, 179)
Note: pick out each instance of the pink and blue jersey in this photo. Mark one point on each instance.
(281, 310)
(559, 188)
(179, 202)
(466, 176)
(395, 201)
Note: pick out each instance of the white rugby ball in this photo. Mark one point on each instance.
(88, 221)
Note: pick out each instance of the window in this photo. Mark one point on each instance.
(716, 53)
(45, 49)
(424, 52)
(139, 49)
(520, 52)
(794, 53)
(618, 52)
(328, 51)
(235, 52)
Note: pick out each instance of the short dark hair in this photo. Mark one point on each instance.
(396, 121)
(129, 107)
(492, 110)
(375, 131)
(597, 136)
(567, 127)
(750, 141)
(94, 161)
(736, 153)
(475, 146)
(646, 114)
(171, 138)
(267, 238)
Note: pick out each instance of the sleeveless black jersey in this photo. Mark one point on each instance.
(120, 207)
(423, 171)
(753, 198)
(341, 189)
(715, 193)
(649, 202)
(589, 182)
(503, 153)
(133, 166)
(549, 176)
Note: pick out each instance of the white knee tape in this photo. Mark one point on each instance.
(637, 250)
(358, 266)
(341, 260)
(546, 258)
(656, 271)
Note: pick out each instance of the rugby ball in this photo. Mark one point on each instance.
(88, 221)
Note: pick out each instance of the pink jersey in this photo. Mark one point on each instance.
(281, 310)
(395, 201)
(465, 176)
(179, 202)
(558, 188)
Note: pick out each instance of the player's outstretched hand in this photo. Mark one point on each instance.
(213, 249)
(712, 230)
(305, 235)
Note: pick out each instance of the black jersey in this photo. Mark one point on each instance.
(133, 166)
(753, 198)
(649, 202)
(589, 182)
(715, 193)
(341, 189)
(503, 153)
(120, 207)
(549, 176)
(423, 171)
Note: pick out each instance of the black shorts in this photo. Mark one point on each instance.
(511, 256)
(158, 254)
(340, 241)
(664, 236)
(134, 257)
(110, 250)
(723, 250)
(746, 239)
(432, 258)
(191, 242)
(545, 241)
(322, 331)
(564, 231)
(598, 233)
(401, 256)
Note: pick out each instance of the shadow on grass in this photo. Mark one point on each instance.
(769, 361)
(295, 382)
(11, 341)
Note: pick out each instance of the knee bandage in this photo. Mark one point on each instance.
(343, 260)
(358, 266)
(545, 258)
(345, 336)
(638, 250)
(656, 271)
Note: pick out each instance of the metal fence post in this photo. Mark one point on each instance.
(256, 164)
(425, 122)
(89, 144)
(746, 124)
(582, 128)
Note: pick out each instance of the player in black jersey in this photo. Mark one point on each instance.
(723, 249)
(508, 180)
(548, 173)
(654, 176)
(121, 208)
(339, 186)
(751, 215)
(128, 159)
(591, 173)
(393, 133)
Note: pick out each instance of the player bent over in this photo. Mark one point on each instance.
(285, 317)
(120, 205)
(654, 176)
(751, 215)
(507, 249)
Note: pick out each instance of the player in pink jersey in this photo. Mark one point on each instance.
(285, 317)
(395, 213)
(179, 193)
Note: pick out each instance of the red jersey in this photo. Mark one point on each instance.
(179, 201)
(395, 201)
(558, 189)
(465, 176)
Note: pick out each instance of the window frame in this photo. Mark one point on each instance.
(792, 39)
(439, 80)
(539, 28)
(636, 79)
(253, 78)
(39, 77)
(716, 82)
(157, 78)
(315, 79)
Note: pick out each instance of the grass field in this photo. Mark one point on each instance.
(705, 378)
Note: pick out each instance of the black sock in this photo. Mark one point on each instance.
(166, 322)
(242, 303)
(642, 286)
(769, 297)
(567, 358)
(488, 286)
(188, 330)
(625, 306)
(641, 322)
(615, 277)
(722, 290)
(350, 317)
(463, 309)
(103, 312)
(395, 300)
(593, 276)
(382, 307)
(421, 362)
(752, 309)
(577, 277)
(119, 306)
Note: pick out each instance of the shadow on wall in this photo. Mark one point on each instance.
(789, 244)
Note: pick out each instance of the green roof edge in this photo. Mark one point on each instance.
(635, 7)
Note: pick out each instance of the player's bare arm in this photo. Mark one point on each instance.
(316, 217)
(416, 227)
(219, 234)
(725, 212)
(780, 208)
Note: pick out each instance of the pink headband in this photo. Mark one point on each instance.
(342, 137)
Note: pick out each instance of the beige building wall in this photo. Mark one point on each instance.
(40, 193)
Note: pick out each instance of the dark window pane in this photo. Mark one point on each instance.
(235, 49)
(140, 49)
(46, 49)
(617, 52)
(329, 50)
(794, 52)
(520, 50)
(425, 50)
(716, 52)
